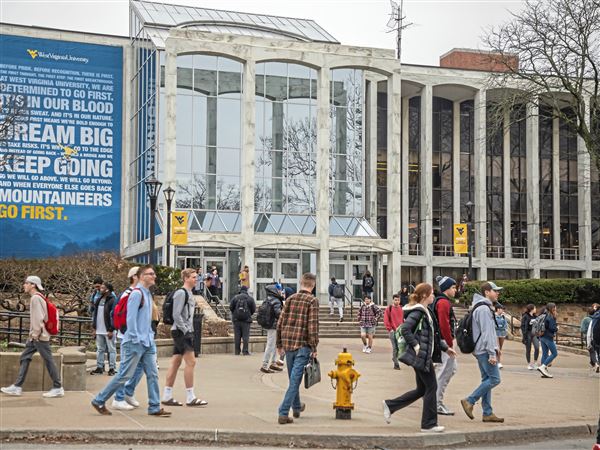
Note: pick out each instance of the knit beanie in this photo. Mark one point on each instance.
(445, 283)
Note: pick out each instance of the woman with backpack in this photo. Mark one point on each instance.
(424, 346)
(550, 328)
(529, 338)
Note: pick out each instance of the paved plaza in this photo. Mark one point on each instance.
(243, 405)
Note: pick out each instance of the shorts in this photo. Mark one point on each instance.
(182, 343)
(367, 330)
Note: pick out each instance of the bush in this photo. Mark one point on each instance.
(167, 279)
(543, 291)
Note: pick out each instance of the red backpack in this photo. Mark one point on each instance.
(53, 323)
(120, 311)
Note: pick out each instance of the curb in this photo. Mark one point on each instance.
(304, 440)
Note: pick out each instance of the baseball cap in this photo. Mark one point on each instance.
(35, 280)
(133, 271)
(494, 286)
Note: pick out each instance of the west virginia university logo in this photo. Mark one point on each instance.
(460, 230)
(180, 219)
(32, 53)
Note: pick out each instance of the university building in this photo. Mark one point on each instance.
(292, 152)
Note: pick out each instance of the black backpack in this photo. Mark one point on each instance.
(464, 332)
(265, 315)
(167, 309)
(241, 311)
(369, 282)
(338, 290)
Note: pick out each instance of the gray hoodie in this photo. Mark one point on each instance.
(484, 324)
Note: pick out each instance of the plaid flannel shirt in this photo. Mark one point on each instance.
(298, 325)
(368, 315)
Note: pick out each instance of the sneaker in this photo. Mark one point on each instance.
(544, 371)
(387, 415)
(12, 390)
(266, 370)
(396, 367)
(365, 348)
(101, 409)
(341, 319)
(436, 429)
(132, 401)
(530, 367)
(279, 362)
(468, 408)
(122, 405)
(97, 371)
(500, 366)
(53, 393)
(275, 368)
(493, 418)
(112, 372)
(444, 411)
(369, 350)
(597, 368)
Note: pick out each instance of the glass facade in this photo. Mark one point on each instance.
(414, 174)
(546, 211)
(495, 185)
(595, 194)
(569, 222)
(518, 183)
(382, 161)
(467, 141)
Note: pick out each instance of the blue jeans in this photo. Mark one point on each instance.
(490, 378)
(134, 354)
(106, 345)
(549, 351)
(128, 389)
(296, 360)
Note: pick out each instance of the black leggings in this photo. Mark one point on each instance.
(528, 341)
(426, 388)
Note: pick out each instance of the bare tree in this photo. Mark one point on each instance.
(557, 43)
(14, 114)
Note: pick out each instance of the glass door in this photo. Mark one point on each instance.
(338, 271)
(289, 273)
(220, 264)
(265, 275)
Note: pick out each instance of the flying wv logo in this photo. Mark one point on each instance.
(32, 53)
(179, 219)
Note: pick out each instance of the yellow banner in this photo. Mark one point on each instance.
(461, 238)
(179, 228)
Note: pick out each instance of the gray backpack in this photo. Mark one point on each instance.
(538, 327)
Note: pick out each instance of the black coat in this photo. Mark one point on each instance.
(109, 305)
(251, 304)
(426, 337)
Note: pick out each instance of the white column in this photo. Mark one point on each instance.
(323, 169)
(404, 216)
(394, 210)
(506, 185)
(170, 118)
(556, 186)
(533, 189)
(456, 161)
(248, 174)
(480, 174)
(128, 196)
(584, 199)
(371, 154)
(426, 183)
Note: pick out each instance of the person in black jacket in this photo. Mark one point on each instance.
(424, 347)
(103, 328)
(270, 359)
(529, 338)
(242, 307)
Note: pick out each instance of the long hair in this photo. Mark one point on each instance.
(421, 292)
(551, 309)
(529, 308)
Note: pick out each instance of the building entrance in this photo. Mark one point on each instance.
(272, 270)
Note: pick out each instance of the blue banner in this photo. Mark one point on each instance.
(60, 166)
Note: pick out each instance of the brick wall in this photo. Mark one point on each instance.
(476, 60)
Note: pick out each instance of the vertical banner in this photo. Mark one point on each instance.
(461, 239)
(60, 192)
(179, 228)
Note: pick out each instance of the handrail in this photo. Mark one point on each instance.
(561, 326)
(66, 331)
(218, 302)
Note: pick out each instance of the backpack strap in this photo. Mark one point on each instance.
(142, 301)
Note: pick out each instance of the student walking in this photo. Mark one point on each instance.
(528, 338)
(244, 277)
(585, 325)
(267, 317)
(298, 337)
(104, 331)
(393, 317)
(37, 341)
(446, 319)
(549, 351)
(368, 284)
(501, 330)
(368, 316)
(336, 298)
(424, 347)
(138, 346)
(199, 288)
(486, 352)
(242, 307)
(593, 340)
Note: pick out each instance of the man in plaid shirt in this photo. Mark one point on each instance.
(368, 315)
(298, 337)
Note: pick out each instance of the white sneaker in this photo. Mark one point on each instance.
(530, 367)
(365, 349)
(535, 366)
(12, 390)
(500, 366)
(53, 393)
(132, 401)
(387, 415)
(544, 371)
(436, 429)
(369, 350)
(122, 405)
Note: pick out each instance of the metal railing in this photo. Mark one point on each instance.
(348, 294)
(73, 330)
(217, 305)
(569, 253)
(444, 250)
(596, 254)
(546, 252)
(411, 249)
(495, 251)
(566, 332)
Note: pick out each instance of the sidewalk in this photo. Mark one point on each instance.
(243, 405)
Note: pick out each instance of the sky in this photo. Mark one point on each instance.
(437, 25)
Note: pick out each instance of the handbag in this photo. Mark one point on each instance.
(312, 373)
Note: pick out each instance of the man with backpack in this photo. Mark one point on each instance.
(336, 298)
(42, 322)
(485, 351)
(444, 313)
(267, 316)
(178, 311)
(393, 317)
(593, 339)
(138, 346)
(102, 324)
(242, 307)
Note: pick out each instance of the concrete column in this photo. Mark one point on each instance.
(211, 152)
(456, 161)
(277, 167)
(128, 196)
(556, 186)
(584, 199)
(170, 130)
(480, 195)
(248, 174)
(371, 155)
(323, 169)
(394, 165)
(426, 161)
(404, 162)
(506, 185)
(533, 188)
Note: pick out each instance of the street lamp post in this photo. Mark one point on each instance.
(469, 205)
(169, 194)
(152, 188)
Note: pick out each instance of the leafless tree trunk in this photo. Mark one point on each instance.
(14, 113)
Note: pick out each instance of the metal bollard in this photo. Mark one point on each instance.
(197, 322)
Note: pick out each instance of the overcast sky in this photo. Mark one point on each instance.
(438, 25)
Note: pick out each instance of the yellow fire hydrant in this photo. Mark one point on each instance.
(347, 379)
